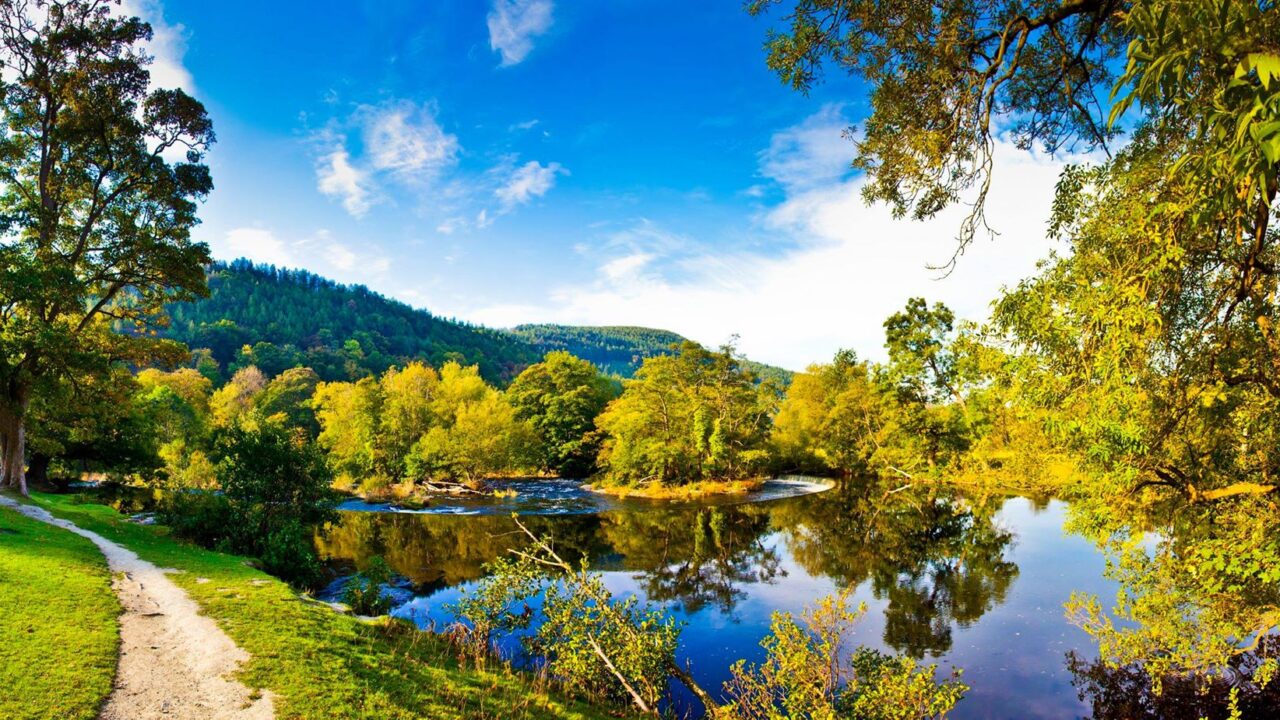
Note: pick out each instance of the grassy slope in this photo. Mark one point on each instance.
(319, 663)
(58, 629)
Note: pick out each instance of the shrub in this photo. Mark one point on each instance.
(201, 517)
(807, 674)
(363, 593)
(274, 491)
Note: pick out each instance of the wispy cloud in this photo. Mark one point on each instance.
(809, 155)
(530, 180)
(833, 270)
(404, 138)
(513, 24)
(397, 142)
(337, 177)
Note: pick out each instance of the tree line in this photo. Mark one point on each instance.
(689, 416)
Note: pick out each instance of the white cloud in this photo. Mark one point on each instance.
(812, 154)
(846, 267)
(483, 220)
(168, 45)
(337, 177)
(256, 244)
(405, 139)
(450, 225)
(527, 182)
(513, 24)
(627, 267)
(380, 146)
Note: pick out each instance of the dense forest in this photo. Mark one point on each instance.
(615, 349)
(277, 319)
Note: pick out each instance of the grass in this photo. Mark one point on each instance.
(59, 633)
(319, 663)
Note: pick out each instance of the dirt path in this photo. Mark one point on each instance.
(174, 662)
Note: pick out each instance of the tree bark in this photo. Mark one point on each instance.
(13, 439)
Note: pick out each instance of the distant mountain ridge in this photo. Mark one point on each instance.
(278, 318)
(619, 349)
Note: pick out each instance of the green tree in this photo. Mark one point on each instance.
(178, 406)
(484, 439)
(929, 427)
(96, 219)
(562, 396)
(92, 423)
(237, 398)
(830, 419)
(287, 398)
(276, 489)
(1148, 351)
(348, 416)
(410, 398)
(692, 416)
(180, 400)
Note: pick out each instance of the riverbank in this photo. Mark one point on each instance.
(687, 491)
(315, 662)
(58, 622)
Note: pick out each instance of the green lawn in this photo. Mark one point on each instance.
(58, 628)
(319, 663)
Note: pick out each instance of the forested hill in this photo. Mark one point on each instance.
(276, 319)
(289, 318)
(618, 349)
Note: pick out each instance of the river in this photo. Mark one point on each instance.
(974, 583)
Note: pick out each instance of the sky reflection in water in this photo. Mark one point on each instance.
(979, 585)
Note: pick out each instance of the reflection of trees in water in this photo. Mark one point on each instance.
(436, 551)
(1199, 582)
(1126, 693)
(692, 556)
(938, 560)
(695, 557)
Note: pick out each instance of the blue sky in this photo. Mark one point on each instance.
(622, 162)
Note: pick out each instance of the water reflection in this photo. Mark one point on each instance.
(938, 560)
(1127, 692)
(694, 558)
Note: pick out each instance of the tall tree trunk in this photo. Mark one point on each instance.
(13, 438)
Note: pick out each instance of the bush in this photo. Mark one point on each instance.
(274, 492)
(289, 553)
(808, 674)
(363, 593)
(201, 517)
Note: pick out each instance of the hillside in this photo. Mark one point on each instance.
(278, 318)
(292, 317)
(618, 349)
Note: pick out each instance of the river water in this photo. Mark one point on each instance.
(977, 583)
